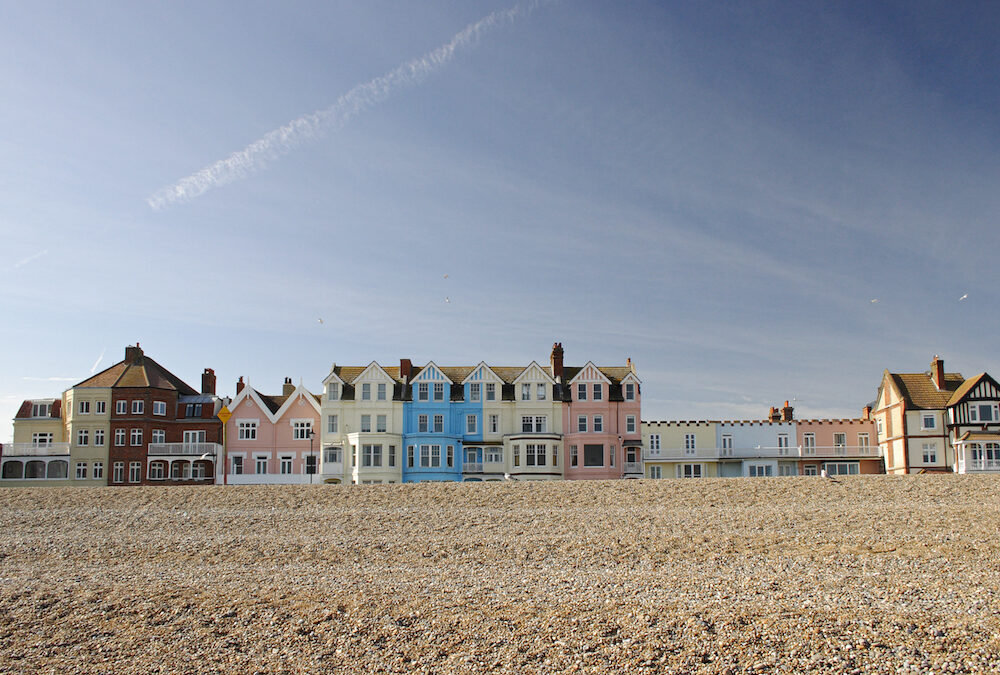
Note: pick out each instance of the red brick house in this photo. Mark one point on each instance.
(162, 430)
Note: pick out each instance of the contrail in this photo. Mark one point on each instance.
(98, 361)
(283, 140)
(25, 261)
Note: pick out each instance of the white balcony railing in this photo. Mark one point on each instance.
(773, 452)
(984, 465)
(210, 449)
(472, 467)
(633, 467)
(35, 449)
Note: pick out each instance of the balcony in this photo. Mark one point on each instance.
(983, 465)
(472, 467)
(771, 452)
(210, 449)
(633, 467)
(837, 451)
(35, 449)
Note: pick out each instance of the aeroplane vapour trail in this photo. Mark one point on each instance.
(284, 139)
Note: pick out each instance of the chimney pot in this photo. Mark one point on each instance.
(133, 355)
(288, 387)
(405, 370)
(240, 384)
(556, 361)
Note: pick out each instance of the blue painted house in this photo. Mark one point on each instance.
(438, 417)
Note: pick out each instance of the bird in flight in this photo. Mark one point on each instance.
(873, 300)
(963, 297)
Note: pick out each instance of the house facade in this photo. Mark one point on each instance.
(911, 420)
(39, 453)
(271, 439)
(973, 423)
(681, 449)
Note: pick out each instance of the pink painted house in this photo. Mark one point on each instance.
(602, 433)
(270, 439)
(838, 446)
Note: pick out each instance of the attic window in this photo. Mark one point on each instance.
(332, 392)
(41, 409)
(927, 421)
(983, 412)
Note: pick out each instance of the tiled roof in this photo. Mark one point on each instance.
(508, 373)
(966, 387)
(919, 392)
(142, 372)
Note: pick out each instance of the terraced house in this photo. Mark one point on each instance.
(40, 453)
(271, 439)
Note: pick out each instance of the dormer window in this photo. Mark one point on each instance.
(525, 392)
(41, 409)
(629, 391)
(333, 392)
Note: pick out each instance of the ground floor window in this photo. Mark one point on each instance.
(57, 469)
(494, 455)
(311, 464)
(593, 454)
(156, 471)
(655, 472)
(810, 470)
(98, 470)
(237, 465)
(760, 470)
(842, 468)
(574, 458)
(260, 464)
(786, 470)
(331, 455)
(689, 470)
(134, 472)
(118, 472)
(286, 465)
(81, 469)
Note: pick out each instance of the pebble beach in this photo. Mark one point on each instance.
(861, 574)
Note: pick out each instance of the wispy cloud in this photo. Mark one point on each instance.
(30, 258)
(283, 140)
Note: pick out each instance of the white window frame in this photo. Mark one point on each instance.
(525, 391)
(438, 424)
(494, 424)
(285, 464)
(690, 471)
(654, 441)
(83, 437)
(135, 439)
(925, 418)
(974, 410)
(655, 472)
(929, 453)
(134, 472)
(41, 409)
(259, 462)
(629, 391)
(247, 429)
(491, 391)
(471, 424)
(158, 436)
(630, 424)
(366, 424)
(423, 391)
(100, 407)
(137, 408)
(381, 423)
(439, 391)
(493, 454)
(332, 424)
(864, 441)
(809, 443)
(581, 391)
(121, 438)
(98, 472)
(118, 472)
(598, 391)
(598, 424)
(380, 391)
(475, 392)
(423, 424)
(366, 391)
(301, 429)
(84, 407)
(581, 423)
(121, 408)
(690, 443)
(237, 464)
(783, 445)
(159, 407)
(540, 394)
(81, 470)
(333, 391)
(99, 438)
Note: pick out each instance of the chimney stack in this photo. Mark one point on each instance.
(405, 370)
(937, 372)
(287, 388)
(133, 355)
(866, 413)
(239, 385)
(786, 413)
(208, 382)
(556, 360)
(773, 415)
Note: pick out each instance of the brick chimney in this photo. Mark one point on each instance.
(287, 388)
(405, 370)
(786, 413)
(866, 413)
(208, 382)
(556, 361)
(133, 355)
(773, 415)
(239, 385)
(937, 372)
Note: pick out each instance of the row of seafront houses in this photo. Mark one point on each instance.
(136, 423)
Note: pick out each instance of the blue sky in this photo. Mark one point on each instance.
(716, 190)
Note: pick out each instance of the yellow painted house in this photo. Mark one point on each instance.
(685, 449)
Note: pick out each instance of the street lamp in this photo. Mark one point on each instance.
(312, 469)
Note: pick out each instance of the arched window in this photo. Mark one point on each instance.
(34, 469)
(13, 469)
(58, 468)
